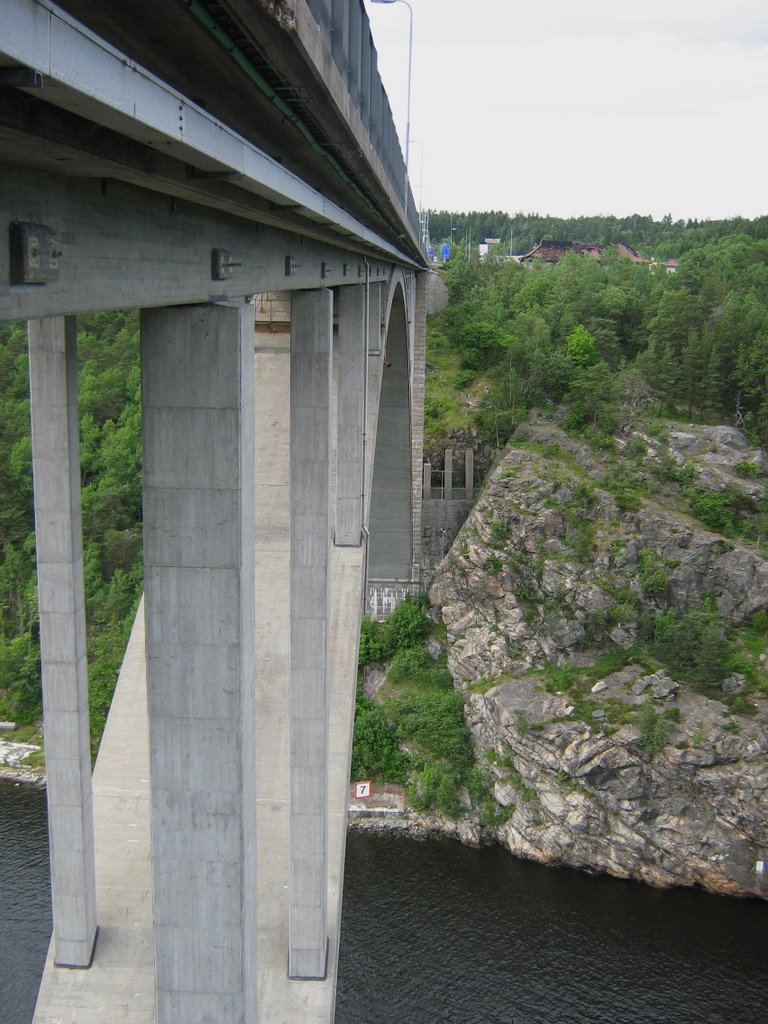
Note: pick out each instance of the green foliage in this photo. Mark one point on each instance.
(655, 583)
(406, 627)
(493, 565)
(499, 533)
(434, 722)
(747, 469)
(654, 730)
(407, 664)
(695, 646)
(370, 642)
(414, 665)
(376, 751)
(463, 379)
(436, 785)
(422, 713)
(739, 706)
(522, 721)
(580, 347)
(623, 485)
(718, 510)
(526, 591)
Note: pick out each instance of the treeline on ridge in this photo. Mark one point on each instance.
(608, 335)
(519, 232)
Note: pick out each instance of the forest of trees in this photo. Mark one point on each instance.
(110, 467)
(610, 334)
(519, 232)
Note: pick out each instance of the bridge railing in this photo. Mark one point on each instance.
(347, 28)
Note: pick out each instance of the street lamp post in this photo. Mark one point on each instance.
(408, 100)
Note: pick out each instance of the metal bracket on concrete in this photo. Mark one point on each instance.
(34, 253)
(20, 78)
(222, 264)
(194, 174)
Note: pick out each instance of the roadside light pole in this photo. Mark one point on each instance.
(408, 101)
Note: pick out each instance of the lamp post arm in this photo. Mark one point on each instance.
(410, 69)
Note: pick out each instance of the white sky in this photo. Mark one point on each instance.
(569, 107)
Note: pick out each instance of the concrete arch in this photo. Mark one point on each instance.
(391, 510)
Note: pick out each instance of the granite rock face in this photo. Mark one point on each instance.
(636, 774)
(696, 813)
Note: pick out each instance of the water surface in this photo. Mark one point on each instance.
(25, 900)
(435, 932)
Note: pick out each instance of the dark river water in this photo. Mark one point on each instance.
(434, 933)
(25, 900)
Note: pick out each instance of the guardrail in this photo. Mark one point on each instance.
(347, 28)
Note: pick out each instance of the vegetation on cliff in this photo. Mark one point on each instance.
(608, 337)
(413, 732)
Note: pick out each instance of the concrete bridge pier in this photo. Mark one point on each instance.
(198, 415)
(310, 537)
(56, 465)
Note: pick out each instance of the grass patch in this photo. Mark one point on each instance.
(24, 734)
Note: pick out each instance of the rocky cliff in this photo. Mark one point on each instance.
(570, 576)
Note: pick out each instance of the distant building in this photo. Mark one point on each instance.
(671, 266)
(629, 253)
(552, 252)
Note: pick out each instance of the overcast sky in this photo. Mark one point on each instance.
(572, 107)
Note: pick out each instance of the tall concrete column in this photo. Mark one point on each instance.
(374, 319)
(448, 475)
(427, 483)
(56, 468)
(349, 415)
(197, 379)
(469, 474)
(311, 383)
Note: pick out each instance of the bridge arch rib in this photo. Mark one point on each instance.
(391, 515)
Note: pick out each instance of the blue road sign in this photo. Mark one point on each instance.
(445, 251)
(431, 252)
